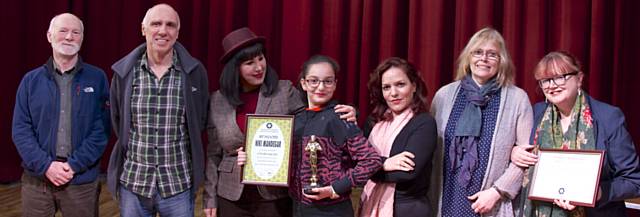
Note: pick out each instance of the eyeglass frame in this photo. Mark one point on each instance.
(479, 53)
(327, 83)
(563, 78)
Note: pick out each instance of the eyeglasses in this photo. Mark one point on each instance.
(492, 55)
(558, 81)
(314, 82)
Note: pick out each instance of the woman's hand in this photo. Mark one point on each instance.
(242, 156)
(565, 204)
(402, 162)
(349, 113)
(521, 156)
(484, 201)
(323, 192)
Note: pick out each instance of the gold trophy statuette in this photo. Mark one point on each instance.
(313, 147)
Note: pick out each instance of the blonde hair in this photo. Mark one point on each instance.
(505, 74)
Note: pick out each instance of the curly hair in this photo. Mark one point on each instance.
(379, 104)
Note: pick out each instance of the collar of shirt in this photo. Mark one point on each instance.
(144, 62)
(71, 71)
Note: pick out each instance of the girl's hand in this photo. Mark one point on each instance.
(323, 192)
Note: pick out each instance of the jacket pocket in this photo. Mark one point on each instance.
(226, 165)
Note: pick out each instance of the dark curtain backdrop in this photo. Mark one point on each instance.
(358, 33)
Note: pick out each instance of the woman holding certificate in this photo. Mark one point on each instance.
(248, 85)
(480, 118)
(571, 119)
(405, 134)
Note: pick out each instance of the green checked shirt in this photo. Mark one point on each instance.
(158, 151)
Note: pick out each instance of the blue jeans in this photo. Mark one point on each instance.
(133, 205)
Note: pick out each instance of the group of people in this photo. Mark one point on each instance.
(469, 154)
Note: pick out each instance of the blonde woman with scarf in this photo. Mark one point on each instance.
(406, 136)
(480, 118)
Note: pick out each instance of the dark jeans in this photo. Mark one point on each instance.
(132, 204)
(251, 204)
(342, 209)
(41, 198)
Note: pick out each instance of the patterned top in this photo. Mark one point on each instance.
(159, 146)
(346, 158)
(454, 196)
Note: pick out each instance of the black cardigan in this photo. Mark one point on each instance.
(419, 137)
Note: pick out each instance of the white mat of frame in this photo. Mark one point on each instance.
(632, 205)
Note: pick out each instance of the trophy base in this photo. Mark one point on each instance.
(307, 189)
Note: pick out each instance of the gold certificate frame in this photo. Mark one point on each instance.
(268, 147)
(572, 175)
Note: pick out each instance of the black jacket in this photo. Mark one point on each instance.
(419, 137)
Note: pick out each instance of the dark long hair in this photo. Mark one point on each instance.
(230, 86)
(379, 104)
(305, 70)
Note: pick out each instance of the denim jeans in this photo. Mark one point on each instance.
(133, 205)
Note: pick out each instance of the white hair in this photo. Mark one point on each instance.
(74, 16)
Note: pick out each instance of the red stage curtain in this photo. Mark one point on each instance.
(358, 33)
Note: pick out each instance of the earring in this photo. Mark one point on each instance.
(579, 92)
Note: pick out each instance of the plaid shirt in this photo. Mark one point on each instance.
(158, 151)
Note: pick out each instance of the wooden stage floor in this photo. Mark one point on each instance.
(10, 201)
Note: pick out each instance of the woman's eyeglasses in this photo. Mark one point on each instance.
(558, 81)
(492, 55)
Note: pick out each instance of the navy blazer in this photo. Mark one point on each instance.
(620, 176)
(419, 137)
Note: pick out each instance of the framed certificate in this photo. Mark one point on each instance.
(268, 148)
(572, 175)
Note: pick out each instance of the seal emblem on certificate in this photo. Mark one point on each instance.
(268, 147)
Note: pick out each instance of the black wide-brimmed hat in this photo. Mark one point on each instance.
(238, 39)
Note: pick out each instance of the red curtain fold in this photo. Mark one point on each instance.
(358, 33)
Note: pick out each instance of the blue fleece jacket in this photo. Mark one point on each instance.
(36, 115)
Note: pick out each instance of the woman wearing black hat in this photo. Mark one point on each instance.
(248, 85)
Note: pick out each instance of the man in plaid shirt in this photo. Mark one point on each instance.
(159, 100)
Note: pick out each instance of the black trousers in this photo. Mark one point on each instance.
(251, 204)
(342, 209)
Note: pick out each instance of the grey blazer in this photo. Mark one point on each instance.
(513, 127)
(222, 174)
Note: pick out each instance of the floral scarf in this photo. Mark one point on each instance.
(579, 135)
